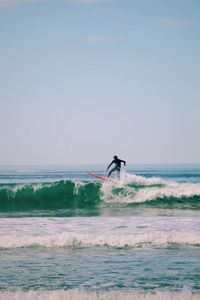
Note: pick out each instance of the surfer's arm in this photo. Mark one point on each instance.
(109, 166)
(123, 161)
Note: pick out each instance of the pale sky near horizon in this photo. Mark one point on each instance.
(83, 80)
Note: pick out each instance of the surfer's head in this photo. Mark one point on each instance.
(115, 157)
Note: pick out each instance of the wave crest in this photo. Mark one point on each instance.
(49, 196)
(99, 240)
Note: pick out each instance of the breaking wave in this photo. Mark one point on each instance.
(130, 190)
(49, 196)
(77, 240)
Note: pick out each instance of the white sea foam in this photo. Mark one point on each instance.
(78, 184)
(101, 240)
(13, 189)
(150, 191)
(99, 231)
(127, 178)
(76, 294)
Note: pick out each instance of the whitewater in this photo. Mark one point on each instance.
(66, 235)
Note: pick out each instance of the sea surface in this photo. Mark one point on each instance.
(67, 235)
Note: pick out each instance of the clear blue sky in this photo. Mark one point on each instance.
(82, 80)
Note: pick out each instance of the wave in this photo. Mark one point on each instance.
(77, 294)
(49, 196)
(72, 194)
(78, 240)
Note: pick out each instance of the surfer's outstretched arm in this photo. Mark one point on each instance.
(110, 165)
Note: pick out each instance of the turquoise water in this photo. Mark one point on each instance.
(65, 235)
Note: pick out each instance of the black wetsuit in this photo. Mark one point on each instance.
(117, 167)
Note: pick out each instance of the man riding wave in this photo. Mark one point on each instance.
(117, 166)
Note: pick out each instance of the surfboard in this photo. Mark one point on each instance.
(97, 176)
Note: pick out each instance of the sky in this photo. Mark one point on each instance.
(83, 80)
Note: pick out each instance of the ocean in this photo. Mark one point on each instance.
(67, 235)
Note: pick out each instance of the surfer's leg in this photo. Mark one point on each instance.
(112, 170)
(110, 173)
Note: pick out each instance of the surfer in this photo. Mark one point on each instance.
(117, 166)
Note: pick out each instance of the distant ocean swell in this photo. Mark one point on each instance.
(77, 240)
(134, 190)
(96, 295)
